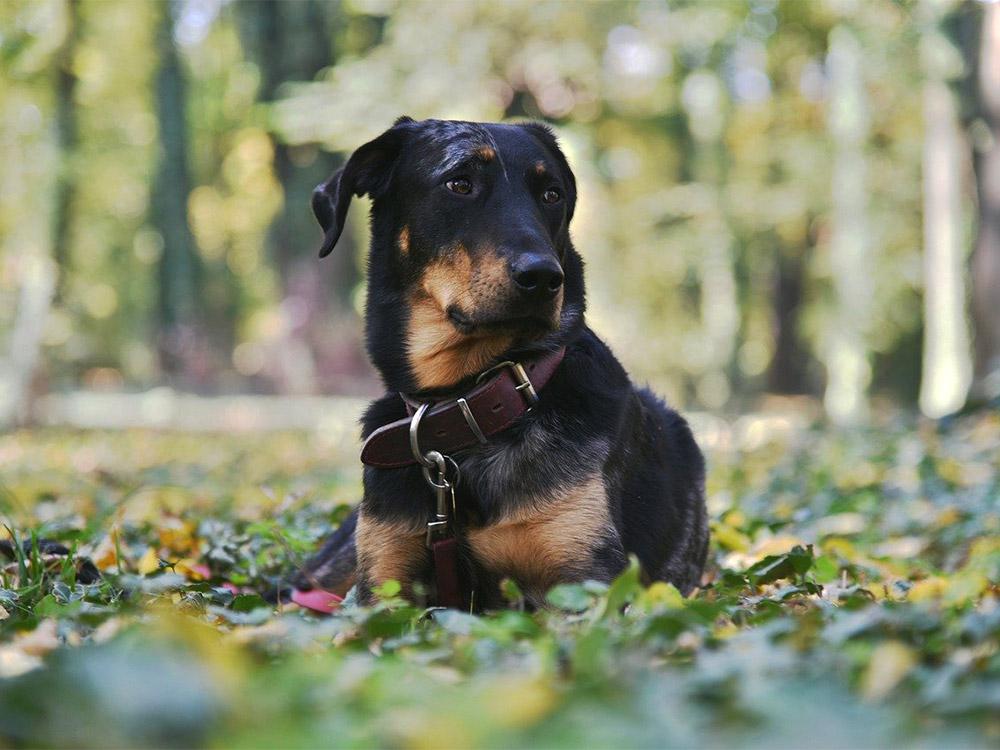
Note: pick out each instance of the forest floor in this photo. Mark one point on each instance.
(852, 601)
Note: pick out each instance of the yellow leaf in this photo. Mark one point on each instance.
(178, 536)
(106, 554)
(947, 517)
(841, 548)
(723, 632)
(419, 730)
(660, 595)
(149, 562)
(967, 584)
(929, 588)
(191, 568)
(735, 518)
(983, 553)
(517, 701)
(890, 662)
(730, 538)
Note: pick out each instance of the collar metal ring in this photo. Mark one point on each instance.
(418, 454)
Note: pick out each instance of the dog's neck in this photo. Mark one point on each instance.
(398, 378)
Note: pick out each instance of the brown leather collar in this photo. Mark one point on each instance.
(455, 423)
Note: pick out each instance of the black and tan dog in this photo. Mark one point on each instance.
(471, 265)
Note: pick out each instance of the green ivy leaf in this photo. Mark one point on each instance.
(569, 597)
(624, 589)
(792, 564)
(248, 603)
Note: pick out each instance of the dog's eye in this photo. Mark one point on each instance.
(459, 185)
(551, 196)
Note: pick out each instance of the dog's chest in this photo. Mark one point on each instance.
(545, 539)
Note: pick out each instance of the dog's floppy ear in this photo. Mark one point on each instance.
(544, 134)
(368, 171)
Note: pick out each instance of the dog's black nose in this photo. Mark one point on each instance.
(538, 276)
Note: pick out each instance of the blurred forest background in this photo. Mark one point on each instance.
(777, 196)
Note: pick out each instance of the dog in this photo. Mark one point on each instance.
(474, 287)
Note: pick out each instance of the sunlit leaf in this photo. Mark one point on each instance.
(889, 664)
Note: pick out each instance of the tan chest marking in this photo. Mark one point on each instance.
(390, 550)
(541, 546)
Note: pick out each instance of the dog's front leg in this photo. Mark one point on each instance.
(389, 550)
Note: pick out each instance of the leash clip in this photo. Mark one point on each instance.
(439, 528)
(444, 492)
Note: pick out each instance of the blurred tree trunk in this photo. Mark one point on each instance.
(986, 256)
(846, 351)
(178, 266)
(37, 284)
(707, 164)
(39, 275)
(947, 368)
(786, 372)
(66, 139)
(292, 41)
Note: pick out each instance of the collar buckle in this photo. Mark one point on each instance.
(524, 385)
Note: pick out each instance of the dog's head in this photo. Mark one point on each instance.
(471, 259)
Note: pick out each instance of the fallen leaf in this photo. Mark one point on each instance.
(149, 562)
(39, 641)
(193, 569)
(14, 661)
(890, 662)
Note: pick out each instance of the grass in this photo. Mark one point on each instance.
(853, 603)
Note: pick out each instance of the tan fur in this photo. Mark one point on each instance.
(539, 167)
(538, 544)
(404, 240)
(486, 153)
(440, 355)
(386, 551)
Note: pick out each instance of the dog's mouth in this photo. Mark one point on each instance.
(489, 324)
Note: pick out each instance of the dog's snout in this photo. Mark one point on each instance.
(537, 276)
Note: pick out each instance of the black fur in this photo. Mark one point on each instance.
(590, 418)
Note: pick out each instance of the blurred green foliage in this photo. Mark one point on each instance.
(851, 599)
(700, 133)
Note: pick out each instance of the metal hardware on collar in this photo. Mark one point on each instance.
(438, 460)
(415, 440)
(440, 528)
(496, 403)
(524, 385)
(486, 373)
(443, 484)
(471, 420)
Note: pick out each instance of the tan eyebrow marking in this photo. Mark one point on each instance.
(539, 167)
(486, 153)
(404, 239)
